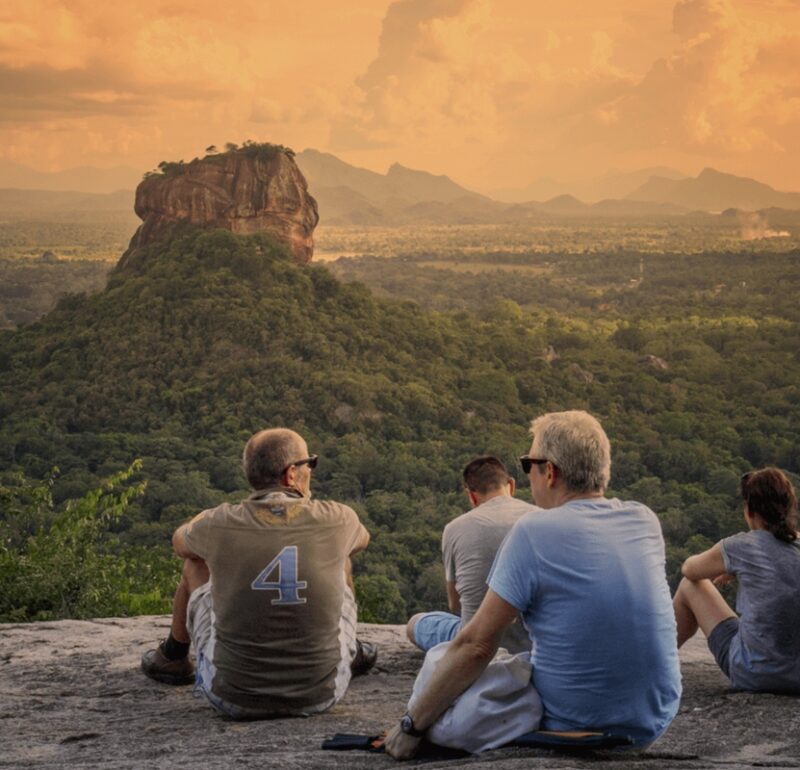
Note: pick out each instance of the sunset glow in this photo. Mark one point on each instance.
(494, 93)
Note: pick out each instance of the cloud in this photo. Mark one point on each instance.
(491, 92)
(456, 84)
(435, 75)
(725, 90)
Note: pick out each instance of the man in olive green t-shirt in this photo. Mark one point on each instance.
(266, 593)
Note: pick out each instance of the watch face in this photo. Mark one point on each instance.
(407, 724)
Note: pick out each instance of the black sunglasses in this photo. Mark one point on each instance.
(527, 462)
(311, 462)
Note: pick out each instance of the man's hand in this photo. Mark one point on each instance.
(401, 746)
(723, 579)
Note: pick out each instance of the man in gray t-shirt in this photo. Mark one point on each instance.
(469, 545)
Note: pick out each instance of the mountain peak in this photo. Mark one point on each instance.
(713, 190)
(397, 169)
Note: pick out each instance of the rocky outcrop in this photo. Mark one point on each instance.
(72, 695)
(257, 188)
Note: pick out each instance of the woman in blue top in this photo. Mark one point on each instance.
(759, 649)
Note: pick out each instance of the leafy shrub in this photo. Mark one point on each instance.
(62, 564)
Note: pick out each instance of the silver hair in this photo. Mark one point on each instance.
(577, 445)
(268, 453)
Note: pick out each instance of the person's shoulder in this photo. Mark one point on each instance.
(218, 512)
(459, 524)
(330, 509)
(517, 507)
(742, 539)
(630, 507)
(743, 543)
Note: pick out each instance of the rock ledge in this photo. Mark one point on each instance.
(72, 695)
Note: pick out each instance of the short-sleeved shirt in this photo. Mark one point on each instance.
(589, 578)
(765, 653)
(469, 546)
(277, 565)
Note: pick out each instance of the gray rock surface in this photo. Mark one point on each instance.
(72, 695)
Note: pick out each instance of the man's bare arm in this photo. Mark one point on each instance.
(453, 599)
(469, 655)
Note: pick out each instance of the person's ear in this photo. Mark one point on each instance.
(512, 485)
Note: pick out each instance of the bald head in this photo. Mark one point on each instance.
(268, 453)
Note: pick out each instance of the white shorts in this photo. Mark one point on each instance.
(200, 622)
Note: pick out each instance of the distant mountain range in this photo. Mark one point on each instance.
(403, 196)
(613, 185)
(349, 195)
(714, 191)
(18, 201)
(86, 179)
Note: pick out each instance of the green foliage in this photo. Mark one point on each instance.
(379, 600)
(61, 564)
(31, 287)
(172, 168)
(263, 151)
(212, 336)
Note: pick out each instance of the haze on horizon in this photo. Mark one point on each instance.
(493, 93)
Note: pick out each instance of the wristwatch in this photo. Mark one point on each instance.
(407, 726)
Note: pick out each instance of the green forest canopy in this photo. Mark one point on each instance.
(215, 336)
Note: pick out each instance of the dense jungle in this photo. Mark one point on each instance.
(124, 410)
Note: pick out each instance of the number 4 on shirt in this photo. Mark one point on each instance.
(287, 585)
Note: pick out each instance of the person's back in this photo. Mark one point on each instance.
(256, 551)
(266, 594)
(590, 574)
(765, 654)
(760, 650)
(469, 546)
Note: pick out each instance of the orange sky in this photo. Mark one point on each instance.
(491, 92)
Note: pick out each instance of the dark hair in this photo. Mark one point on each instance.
(485, 474)
(771, 495)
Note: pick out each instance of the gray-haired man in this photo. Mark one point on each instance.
(588, 576)
(266, 593)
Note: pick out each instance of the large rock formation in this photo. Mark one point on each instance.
(257, 188)
(72, 695)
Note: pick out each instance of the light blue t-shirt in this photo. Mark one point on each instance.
(589, 579)
(765, 653)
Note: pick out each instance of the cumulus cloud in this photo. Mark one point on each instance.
(460, 84)
(727, 89)
(493, 92)
(81, 81)
(501, 86)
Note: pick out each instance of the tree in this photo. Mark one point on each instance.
(67, 567)
(379, 600)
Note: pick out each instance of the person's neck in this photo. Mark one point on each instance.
(568, 496)
(479, 499)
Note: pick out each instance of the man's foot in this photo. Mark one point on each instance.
(158, 666)
(366, 656)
